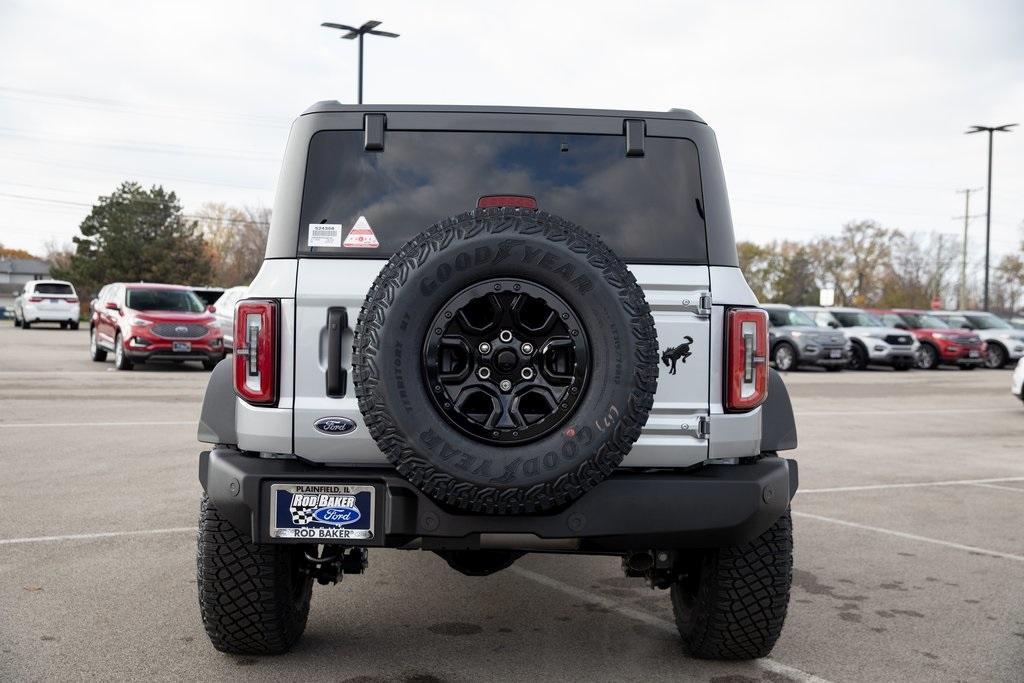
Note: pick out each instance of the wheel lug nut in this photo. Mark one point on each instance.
(526, 348)
(505, 336)
(505, 385)
(483, 373)
(484, 347)
(527, 373)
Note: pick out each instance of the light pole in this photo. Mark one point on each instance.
(961, 300)
(353, 32)
(988, 192)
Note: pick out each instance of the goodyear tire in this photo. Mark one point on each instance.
(253, 597)
(505, 279)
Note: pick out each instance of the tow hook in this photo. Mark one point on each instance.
(659, 567)
(329, 565)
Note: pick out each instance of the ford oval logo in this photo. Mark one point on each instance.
(181, 328)
(337, 516)
(334, 425)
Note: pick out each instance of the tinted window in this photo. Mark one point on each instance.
(923, 320)
(781, 317)
(53, 288)
(856, 319)
(984, 321)
(178, 300)
(645, 208)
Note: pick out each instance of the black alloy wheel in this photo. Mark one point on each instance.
(506, 361)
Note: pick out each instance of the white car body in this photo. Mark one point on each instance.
(879, 342)
(224, 311)
(1017, 384)
(47, 301)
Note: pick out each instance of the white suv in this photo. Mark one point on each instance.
(47, 301)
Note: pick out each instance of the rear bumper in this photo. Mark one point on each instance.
(39, 314)
(717, 505)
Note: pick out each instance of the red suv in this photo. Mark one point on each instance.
(148, 322)
(940, 343)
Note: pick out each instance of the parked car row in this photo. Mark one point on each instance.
(143, 322)
(838, 337)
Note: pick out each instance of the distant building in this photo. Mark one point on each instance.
(14, 273)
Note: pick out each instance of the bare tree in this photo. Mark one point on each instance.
(236, 239)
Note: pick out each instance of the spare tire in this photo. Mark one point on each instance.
(505, 361)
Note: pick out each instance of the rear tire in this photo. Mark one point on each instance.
(95, 352)
(25, 324)
(254, 598)
(73, 326)
(17, 321)
(733, 602)
(121, 361)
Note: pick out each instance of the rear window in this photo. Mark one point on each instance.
(53, 288)
(856, 319)
(783, 317)
(648, 209)
(177, 300)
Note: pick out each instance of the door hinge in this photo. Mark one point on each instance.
(698, 303)
(699, 428)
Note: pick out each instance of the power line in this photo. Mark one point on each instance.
(66, 202)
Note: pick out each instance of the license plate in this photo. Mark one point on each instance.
(322, 512)
(181, 346)
(975, 354)
(835, 353)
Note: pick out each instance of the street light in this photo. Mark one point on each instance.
(368, 27)
(988, 192)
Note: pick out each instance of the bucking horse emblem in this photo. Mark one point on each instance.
(676, 353)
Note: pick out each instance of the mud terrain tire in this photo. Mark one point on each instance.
(253, 598)
(391, 360)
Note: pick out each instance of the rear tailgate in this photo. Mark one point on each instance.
(672, 437)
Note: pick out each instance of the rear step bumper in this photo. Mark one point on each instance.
(717, 505)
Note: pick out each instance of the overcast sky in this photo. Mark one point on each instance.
(825, 112)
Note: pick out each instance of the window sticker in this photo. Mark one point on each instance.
(362, 236)
(324, 235)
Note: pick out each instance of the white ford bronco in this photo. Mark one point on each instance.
(484, 332)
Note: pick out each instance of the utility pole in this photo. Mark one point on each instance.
(353, 32)
(961, 300)
(988, 203)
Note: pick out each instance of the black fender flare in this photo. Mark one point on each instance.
(217, 419)
(778, 424)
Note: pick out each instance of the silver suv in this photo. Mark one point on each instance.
(871, 342)
(483, 332)
(796, 340)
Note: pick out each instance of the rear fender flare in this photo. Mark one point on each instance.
(778, 425)
(217, 419)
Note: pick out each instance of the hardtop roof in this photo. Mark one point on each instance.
(329, 106)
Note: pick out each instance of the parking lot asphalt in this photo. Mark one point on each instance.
(909, 548)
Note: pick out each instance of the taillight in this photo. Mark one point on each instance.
(255, 361)
(35, 299)
(71, 300)
(746, 355)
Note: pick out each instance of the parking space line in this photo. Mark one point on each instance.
(911, 537)
(14, 425)
(768, 665)
(996, 486)
(937, 411)
(101, 534)
(912, 485)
